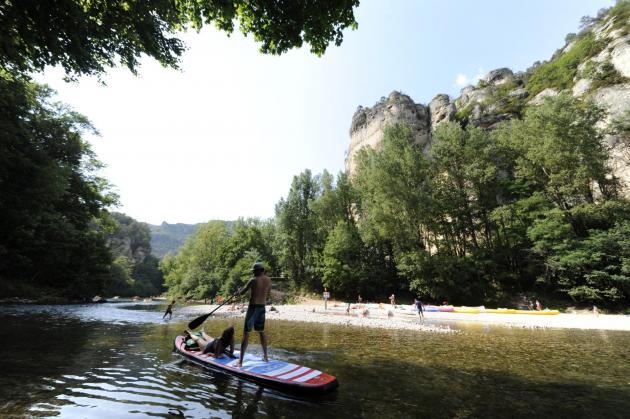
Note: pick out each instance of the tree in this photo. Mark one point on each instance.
(394, 189)
(51, 200)
(86, 37)
(394, 185)
(215, 260)
(297, 238)
(561, 153)
(343, 260)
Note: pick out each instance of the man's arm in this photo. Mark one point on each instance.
(246, 287)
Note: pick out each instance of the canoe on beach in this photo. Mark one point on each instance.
(275, 373)
(483, 310)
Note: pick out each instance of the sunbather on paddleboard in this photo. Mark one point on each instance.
(215, 346)
(255, 317)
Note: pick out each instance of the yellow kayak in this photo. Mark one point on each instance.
(477, 310)
(501, 310)
(541, 312)
(469, 310)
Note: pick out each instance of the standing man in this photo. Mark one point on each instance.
(259, 286)
(326, 296)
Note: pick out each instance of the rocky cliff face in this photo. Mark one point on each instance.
(602, 76)
(125, 246)
(368, 123)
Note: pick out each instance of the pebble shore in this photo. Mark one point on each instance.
(403, 317)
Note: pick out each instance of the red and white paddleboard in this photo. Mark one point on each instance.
(275, 373)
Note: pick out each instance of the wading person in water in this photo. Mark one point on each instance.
(169, 310)
(419, 309)
(259, 286)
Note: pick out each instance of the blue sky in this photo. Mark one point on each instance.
(223, 136)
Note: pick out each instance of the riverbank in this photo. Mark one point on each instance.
(404, 318)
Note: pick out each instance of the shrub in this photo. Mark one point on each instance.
(559, 72)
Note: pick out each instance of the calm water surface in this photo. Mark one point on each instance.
(116, 361)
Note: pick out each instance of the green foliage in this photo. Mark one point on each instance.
(51, 199)
(595, 268)
(500, 97)
(620, 13)
(129, 237)
(297, 237)
(482, 83)
(560, 71)
(148, 279)
(169, 238)
(214, 261)
(343, 260)
(560, 152)
(90, 36)
(602, 75)
(464, 113)
(134, 271)
(393, 189)
(120, 281)
(529, 208)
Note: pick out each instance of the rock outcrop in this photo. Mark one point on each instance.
(125, 246)
(368, 124)
(502, 94)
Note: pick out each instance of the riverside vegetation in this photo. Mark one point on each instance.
(528, 208)
(54, 220)
(531, 207)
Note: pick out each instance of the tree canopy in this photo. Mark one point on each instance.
(51, 198)
(86, 37)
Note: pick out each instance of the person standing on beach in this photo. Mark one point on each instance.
(259, 285)
(392, 300)
(169, 310)
(538, 306)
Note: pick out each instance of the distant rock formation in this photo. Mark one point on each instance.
(368, 123)
(502, 95)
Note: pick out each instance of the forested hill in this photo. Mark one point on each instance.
(169, 238)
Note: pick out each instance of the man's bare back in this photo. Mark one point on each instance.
(260, 287)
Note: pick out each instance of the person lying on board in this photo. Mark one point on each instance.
(215, 346)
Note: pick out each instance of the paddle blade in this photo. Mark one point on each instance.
(197, 322)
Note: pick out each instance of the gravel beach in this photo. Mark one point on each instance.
(403, 317)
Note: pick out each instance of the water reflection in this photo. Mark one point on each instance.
(116, 360)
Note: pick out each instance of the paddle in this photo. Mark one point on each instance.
(197, 322)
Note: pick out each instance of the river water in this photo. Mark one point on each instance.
(116, 361)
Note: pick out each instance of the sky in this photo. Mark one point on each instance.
(223, 136)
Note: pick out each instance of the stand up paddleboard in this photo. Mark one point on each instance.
(275, 373)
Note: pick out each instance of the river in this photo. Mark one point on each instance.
(115, 360)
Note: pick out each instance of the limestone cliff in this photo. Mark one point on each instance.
(602, 74)
(368, 123)
(129, 238)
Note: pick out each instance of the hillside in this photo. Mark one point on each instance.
(169, 238)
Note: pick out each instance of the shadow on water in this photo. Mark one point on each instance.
(62, 362)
